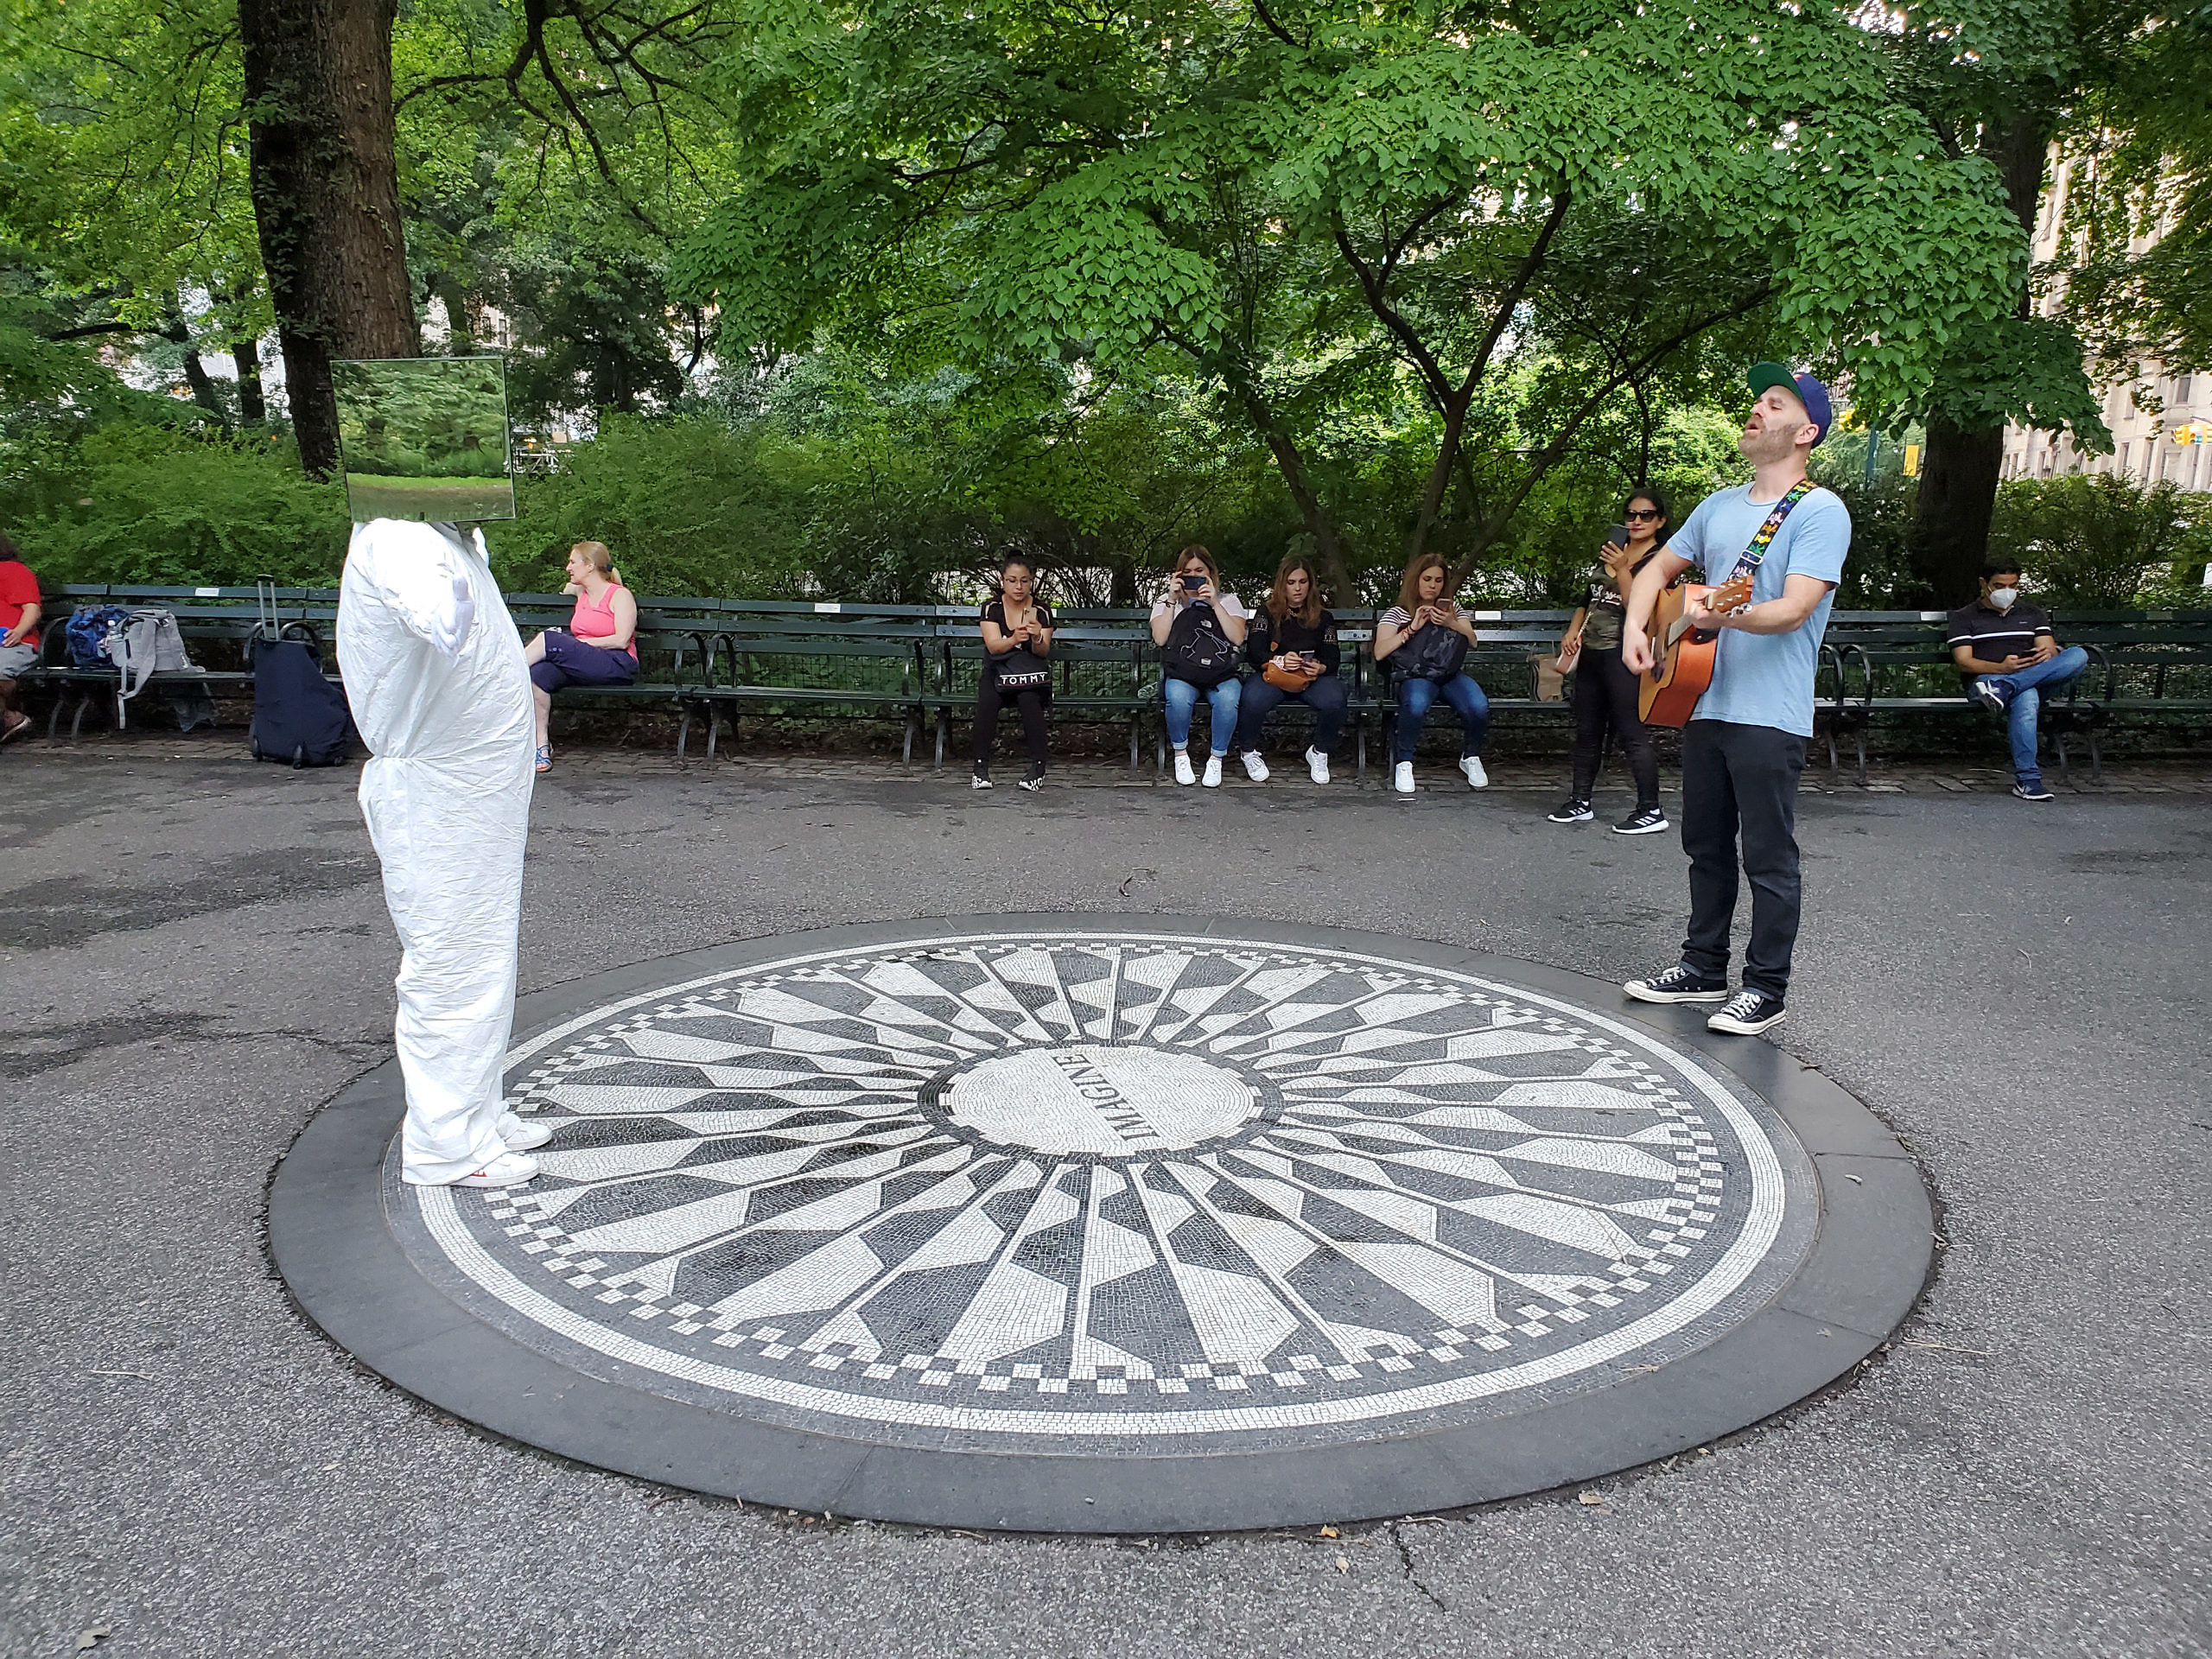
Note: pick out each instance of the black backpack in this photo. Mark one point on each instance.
(1198, 650)
(299, 717)
(1435, 653)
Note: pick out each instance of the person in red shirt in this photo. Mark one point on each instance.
(19, 613)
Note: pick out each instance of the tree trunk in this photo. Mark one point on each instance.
(326, 196)
(245, 357)
(1960, 468)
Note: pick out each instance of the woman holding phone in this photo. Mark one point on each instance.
(1017, 644)
(1422, 640)
(1194, 618)
(1293, 644)
(1604, 690)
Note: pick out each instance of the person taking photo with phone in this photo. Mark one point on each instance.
(1422, 642)
(1200, 633)
(1292, 643)
(1604, 690)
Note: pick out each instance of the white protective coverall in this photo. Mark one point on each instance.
(435, 673)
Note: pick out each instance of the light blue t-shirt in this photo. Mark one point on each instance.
(1766, 679)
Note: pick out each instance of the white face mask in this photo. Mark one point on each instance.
(2002, 598)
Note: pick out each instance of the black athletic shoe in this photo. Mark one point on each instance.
(1746, 1013)
(983, 777)
(1574, 812)
(2034, 791)
(1644, 821)
(1677, 984)
(1035, 780)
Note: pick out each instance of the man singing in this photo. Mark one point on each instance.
(1745, 745)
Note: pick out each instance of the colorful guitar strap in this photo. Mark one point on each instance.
(1755, 555)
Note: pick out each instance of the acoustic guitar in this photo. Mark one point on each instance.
(1683, 655)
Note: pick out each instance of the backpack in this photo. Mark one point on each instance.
(86, 633)
(1197, 651)
(300, 718)
(1435, 653)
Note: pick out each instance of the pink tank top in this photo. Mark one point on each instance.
(596, 621)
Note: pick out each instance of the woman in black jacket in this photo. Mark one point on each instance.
(1017, 645)
(1604, 690)
(1293, 644)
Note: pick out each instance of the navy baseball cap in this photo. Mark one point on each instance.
(1810, 392)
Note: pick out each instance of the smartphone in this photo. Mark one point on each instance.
(1193, 584)
(1617, 537)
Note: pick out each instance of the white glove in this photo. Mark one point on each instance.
(455, 618)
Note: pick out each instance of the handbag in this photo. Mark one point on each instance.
(1288, 673)
(1023, 669)
(1571, 656)
(1197, 651)
(1435, 653)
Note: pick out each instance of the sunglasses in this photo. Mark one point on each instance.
(1640, 513)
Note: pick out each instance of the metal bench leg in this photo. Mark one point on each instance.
(683, 734)
(2065, 760)
(943, 728)
(714, 731)
(2096, 758)
(913, 720)
(1859, 737)
(77, 720)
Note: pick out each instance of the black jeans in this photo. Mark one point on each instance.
(1742, 775)
(1030, 705)
(1605, 694)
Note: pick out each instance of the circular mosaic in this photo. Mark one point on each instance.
(1106, 1189)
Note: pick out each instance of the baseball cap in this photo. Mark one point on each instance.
(1810, 392)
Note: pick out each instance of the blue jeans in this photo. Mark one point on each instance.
(1325, 697)
(2024, 700)
(1466, 699)
(1183, 700)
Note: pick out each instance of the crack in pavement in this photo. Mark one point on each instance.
(1396, 1529)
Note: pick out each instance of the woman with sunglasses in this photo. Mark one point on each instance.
(1604, 690)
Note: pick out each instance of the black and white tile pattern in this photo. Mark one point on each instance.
(1103, 1187)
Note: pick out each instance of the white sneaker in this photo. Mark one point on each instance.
(521, 1134)
(508, 1169)
(1402, 777)
(1317, 765)
(1472, 765)
(1212, 778)
(1255, 768)
(1183, 773)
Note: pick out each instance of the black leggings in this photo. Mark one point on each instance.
(1605, 694)
(1031, 706)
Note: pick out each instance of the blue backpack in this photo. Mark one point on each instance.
(87, 631)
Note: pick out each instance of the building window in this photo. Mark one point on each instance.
(2120, 467)
(2181, 383)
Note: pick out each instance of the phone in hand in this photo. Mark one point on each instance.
(1193, 584)
(1617, 537)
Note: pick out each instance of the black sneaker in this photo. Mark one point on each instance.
(1746, 1013)
(1677, 984)
(1644, 821)
(983, 777)
(1035, 780)
(1574, 812)
(2034, 791)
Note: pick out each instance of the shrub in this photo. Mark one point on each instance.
(2096, 541)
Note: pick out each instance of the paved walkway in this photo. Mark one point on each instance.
(195, 954)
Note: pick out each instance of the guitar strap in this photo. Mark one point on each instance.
(1755, 555)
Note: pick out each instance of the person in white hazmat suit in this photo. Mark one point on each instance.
(434, 670)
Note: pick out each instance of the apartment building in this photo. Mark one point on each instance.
(2171, 438)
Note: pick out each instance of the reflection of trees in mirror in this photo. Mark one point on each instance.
(427, 417)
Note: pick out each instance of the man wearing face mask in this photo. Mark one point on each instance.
(2004, 649)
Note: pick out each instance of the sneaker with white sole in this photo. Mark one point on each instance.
(2034, 791)
(1988, 696)
(1677, 984)
(1572, 812)
(1255, 768)
(981, 779)
(508, 1169)
(1317, 765)
(1644, 821)
(1033, 779)
(1471, 766)
(1211, 777)
(520, 1135)
(1402, 777)
(1746, 1013)
(1183, 773)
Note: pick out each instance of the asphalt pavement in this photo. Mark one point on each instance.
(194, 956)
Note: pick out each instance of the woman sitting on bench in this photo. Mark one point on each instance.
(597, 647)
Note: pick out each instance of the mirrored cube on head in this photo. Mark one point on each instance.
(425, 438)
